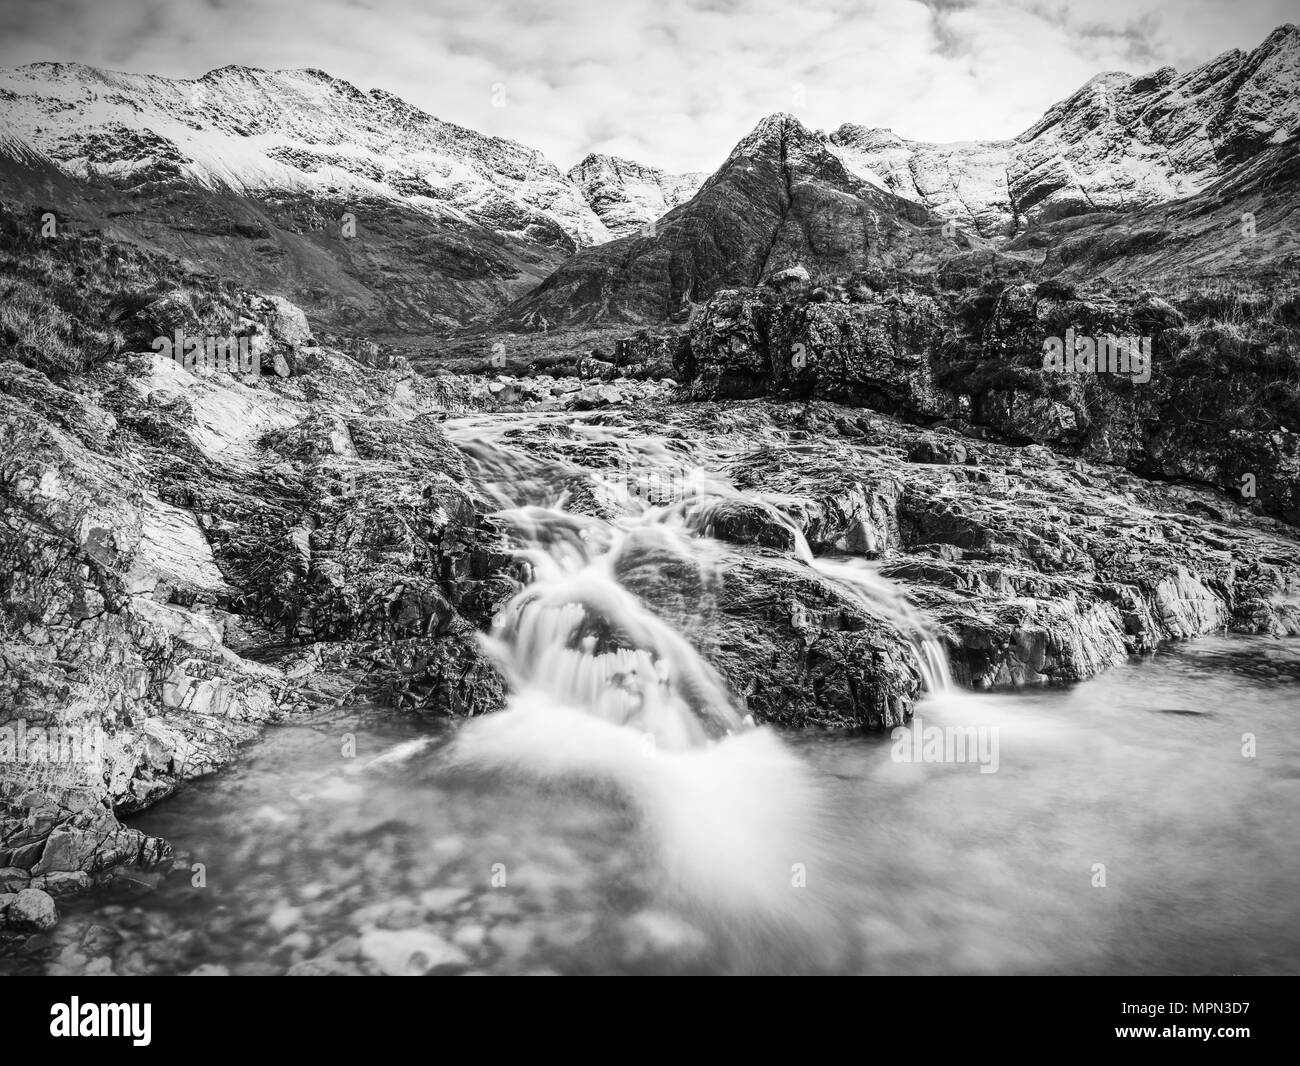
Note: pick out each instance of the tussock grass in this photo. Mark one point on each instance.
(71, 302)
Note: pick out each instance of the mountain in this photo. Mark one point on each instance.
(379, 218)
(1245, 228)
(625, 195)
(1078, 192)
(782, 199)
(291, 132)
(249, 173)
(1119, 143)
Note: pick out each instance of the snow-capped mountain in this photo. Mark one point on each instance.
(788, 196)
(250, 173)
(296, 132)
(626, 195)
(1119, 143)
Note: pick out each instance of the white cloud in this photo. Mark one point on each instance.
(670, 82)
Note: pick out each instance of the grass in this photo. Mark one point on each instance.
(70, 302)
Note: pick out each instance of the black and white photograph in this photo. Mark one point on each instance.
(665, 488)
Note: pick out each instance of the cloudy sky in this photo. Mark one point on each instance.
(674, 83)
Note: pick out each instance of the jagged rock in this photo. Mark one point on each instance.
(594, 396)
(62, 883)
(790, 276)
(158, 524)
(1204, 405)
(782, 198)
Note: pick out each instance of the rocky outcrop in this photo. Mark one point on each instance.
(1035, 567)
(192, 549)
(1212, 403)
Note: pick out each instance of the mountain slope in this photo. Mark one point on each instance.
(782, 199)
(626, 195)
(296, 132)
(1119, 143)
(1243, 228)
(369, 212)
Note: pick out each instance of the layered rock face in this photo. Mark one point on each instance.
(192, 550)
(626, 196)
(1244, 227)
(1121, 142)
(1216, 403)
(1037, 567)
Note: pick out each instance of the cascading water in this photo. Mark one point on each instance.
(885, 599)
(603, 689)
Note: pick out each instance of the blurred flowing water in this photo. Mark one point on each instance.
(622, 816)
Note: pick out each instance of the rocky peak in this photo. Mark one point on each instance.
(1118, 143)
(625, 195)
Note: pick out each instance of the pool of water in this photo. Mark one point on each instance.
(1141, 822)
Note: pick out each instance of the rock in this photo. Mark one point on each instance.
(63, 883)
(791, 276)
(99, 940)
(317, 968)
(32, 911)
(13, 879)
(439, 901)
(209, 969)
(976, 361)
(409, 952)
(596, 396)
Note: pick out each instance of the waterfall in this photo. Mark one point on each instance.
(883, 598)
(602, 689)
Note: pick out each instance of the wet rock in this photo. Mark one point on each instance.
(975, 359)
(409, 952)
(470, 937)
(62, 883)
(439, 901)
(318, 967)
(653, 934)
(595, 396)
(32, 911)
